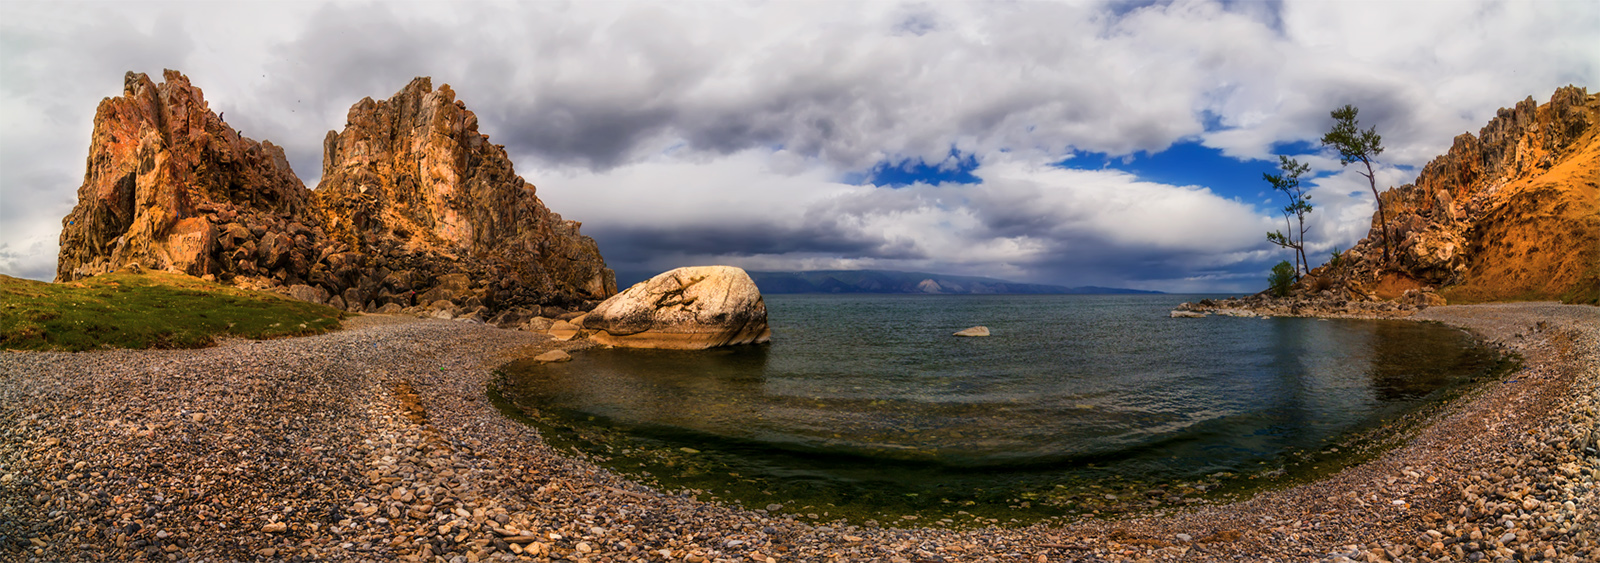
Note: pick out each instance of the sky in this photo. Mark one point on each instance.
(1075, 143)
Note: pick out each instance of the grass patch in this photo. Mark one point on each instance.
(148, 310)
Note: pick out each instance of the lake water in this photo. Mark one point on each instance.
(866, 407)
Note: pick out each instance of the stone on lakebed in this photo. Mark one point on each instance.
(553, 356)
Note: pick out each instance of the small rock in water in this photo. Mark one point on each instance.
(562, 330)
(774, 507)
(974, 331)
(553, 356)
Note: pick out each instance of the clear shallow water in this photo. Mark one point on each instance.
(866, 404)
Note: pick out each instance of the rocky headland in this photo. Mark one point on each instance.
(1511, 213)
(415, 208)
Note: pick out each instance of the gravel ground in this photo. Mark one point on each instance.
(376, 444)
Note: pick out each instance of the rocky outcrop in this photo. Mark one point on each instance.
(414, 172)
(1319, 305)
(170, 186)
(974, 331)
(683, 309)
(415, 208)
(1512, 212)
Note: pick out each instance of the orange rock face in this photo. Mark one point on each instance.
(1510, 213)
(159, 161)
(414, 203)
(415, 170)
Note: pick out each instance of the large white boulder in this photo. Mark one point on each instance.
(684, 309)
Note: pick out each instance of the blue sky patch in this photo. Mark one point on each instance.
(1187, 164)
(911, 171)
(1294, 148)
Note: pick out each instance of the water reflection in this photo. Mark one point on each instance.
(1400, 347)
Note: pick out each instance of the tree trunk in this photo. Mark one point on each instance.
(1383, 219)
(1295, 249)
(1302, 248)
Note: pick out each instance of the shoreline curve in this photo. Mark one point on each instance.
(376, 443)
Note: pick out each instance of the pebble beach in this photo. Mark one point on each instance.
(377, 443)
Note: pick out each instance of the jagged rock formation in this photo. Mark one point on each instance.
(415, 208)
(1512, 212)
(683, 309)
(413, 176)
(168, 185)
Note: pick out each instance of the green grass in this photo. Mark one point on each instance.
(148, 310)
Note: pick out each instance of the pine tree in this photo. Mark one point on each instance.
(1288, 182)
(1355, 145)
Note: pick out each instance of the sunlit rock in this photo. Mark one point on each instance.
(684, 309)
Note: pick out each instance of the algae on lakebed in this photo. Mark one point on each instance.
(147, 310)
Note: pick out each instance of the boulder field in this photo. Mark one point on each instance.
(415, 207)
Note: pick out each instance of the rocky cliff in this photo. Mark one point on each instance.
(413, 176)
(1510, 213)
(415, 206)
(159, 164)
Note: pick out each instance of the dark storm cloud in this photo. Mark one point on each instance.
(627, 245)
(582, 134)
(1091, 260)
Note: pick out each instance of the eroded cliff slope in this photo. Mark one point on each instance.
(1510, 213)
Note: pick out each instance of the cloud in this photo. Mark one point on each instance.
(797, 96)
(1027, 221)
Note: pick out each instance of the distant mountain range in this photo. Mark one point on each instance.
(886, 281)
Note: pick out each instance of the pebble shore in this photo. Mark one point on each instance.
(377, 443)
